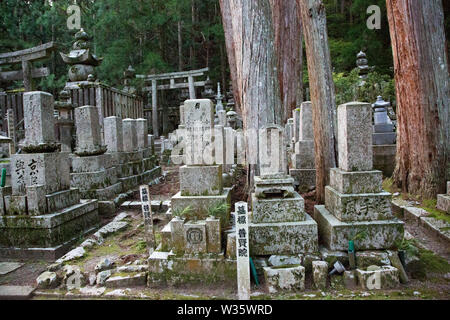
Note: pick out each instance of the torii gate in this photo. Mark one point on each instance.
(26, 57)
(191, 84)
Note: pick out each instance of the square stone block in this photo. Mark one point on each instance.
(195, 237)
(199, 112)
(201, 180)
(94, 180)
(36, 200)
(384, 138)
(304, 157)
(356, 182)
(358, 207)
(91, 163)
(355, 136)
(283, 238)
(281, 185)
(385, 278)
(443, 202)
(213, 235)
(16, 205)
(335, 234)
(49, 169)
(200, 203)
(285, 279)
(384, 127)
(305, 179)
(278, 210)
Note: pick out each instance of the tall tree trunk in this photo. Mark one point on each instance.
(422, 83)
(321, 89)
(227, 21)
(289, 48)
(258, 88)
(180, 47)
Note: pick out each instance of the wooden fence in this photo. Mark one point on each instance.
(110, 102)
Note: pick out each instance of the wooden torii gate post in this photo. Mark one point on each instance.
(26, 58)
(154, 78)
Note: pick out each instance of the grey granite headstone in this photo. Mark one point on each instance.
(113, 134)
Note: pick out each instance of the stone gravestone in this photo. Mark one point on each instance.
(279, 223)
(303, 159)
(40, 201)
(93, 171)
(242, 251)
(201, 184)
(355, 203)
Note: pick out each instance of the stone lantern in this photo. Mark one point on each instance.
(129, 75)
(363, 64)
(219, 98)
(209, 92)
(383, 129)
(80, 59)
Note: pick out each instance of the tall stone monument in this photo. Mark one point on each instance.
(43, 216)
(279, 224)
(93, 171)
(356, 207)
(302, 161)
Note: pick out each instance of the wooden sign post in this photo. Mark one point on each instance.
(242, 251)
(148, 217)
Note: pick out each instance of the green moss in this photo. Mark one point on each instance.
(433, 262)
(429, 205)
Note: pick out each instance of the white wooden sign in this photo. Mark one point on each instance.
(148, 219)
(242, 250)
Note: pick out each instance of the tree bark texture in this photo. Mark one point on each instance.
(422, 88)
(321, 89)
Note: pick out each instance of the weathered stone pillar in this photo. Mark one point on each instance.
(113, 134)
(155, 122)
(89, 141)
(130, 143)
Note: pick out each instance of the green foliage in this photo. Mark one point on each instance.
(349, 88)
(408, 245)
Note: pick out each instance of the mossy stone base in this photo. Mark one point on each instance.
(283, 238)
(167, 268)
(443, 202)
(385, 278)
(49, 230)
(278, 209)
(356, 181)
(358, 207)
(335, 234)
(305, 179)
(289, 278)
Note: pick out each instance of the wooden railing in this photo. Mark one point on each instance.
(111, 102)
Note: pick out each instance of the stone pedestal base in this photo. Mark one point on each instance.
(305, 179)
(23, 236)
(200, 203)
(286, 238)
(335, 234)
(167, 268)
(384, 158)
(383, 138)
(278, 210)
(201, 180)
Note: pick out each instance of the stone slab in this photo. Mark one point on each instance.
(62, 199)
(16, 292)
(201, 180)
(356, 182)
(7, 267)
(358, 207)
(278, 210)
(335, 234)
(439, 227)
(132, 280)
(304, 157)
(91, 163)
(270, 185)
(385, 278)
(284, 238)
